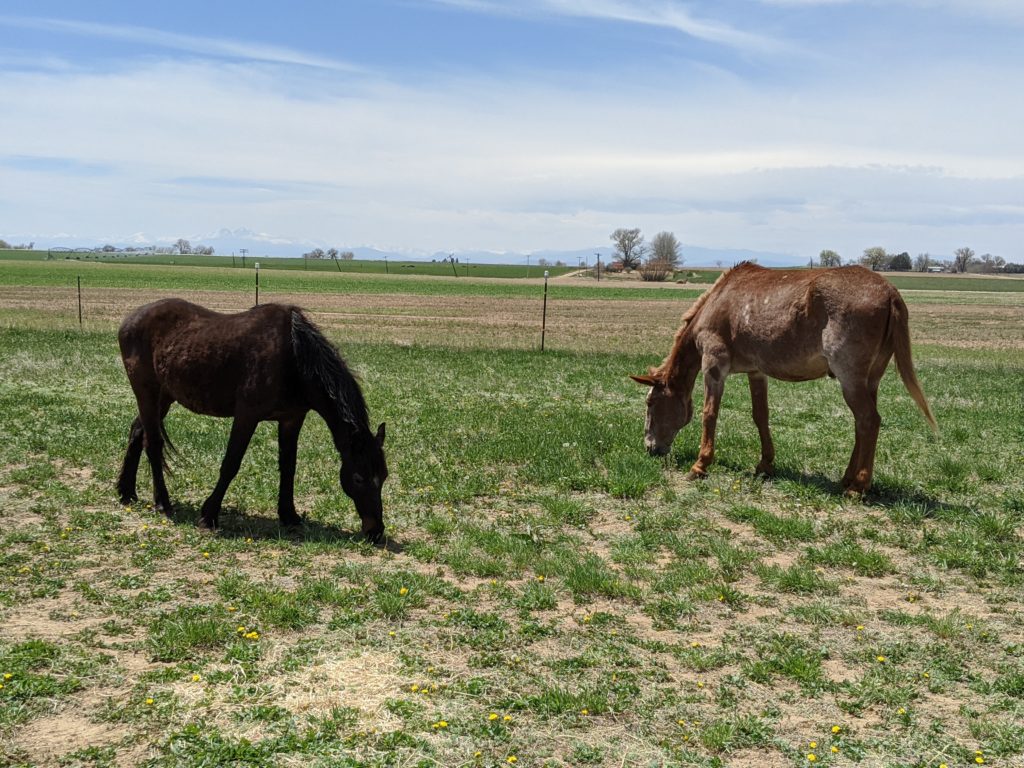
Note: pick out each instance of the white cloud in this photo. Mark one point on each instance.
(913, 160)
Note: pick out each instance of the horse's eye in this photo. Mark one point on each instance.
(357, 478)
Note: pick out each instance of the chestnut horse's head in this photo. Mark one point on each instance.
(363, 472)
(668, 412)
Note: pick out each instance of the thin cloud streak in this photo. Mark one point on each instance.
(205, 46)
(666, 15)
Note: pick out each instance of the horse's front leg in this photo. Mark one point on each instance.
(714, 385)
(287, 449)
(241, 433)
(759, 402)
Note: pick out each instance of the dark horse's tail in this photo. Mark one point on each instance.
(319, 363)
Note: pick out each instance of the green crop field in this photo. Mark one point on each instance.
(549, 594)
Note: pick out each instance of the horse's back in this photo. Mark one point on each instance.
(790, 323)
(210, 362)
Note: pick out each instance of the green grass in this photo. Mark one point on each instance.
(542, 569)
(63, 274)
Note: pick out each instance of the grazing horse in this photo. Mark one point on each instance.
(269, 363)
(793, 325)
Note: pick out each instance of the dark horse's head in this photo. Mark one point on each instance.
(668, 412)
(363, 472)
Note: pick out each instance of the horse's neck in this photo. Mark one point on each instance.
(342, 432)
(683, 362)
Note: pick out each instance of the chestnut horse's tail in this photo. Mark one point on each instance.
(899, 330)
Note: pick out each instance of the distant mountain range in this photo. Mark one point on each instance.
(228, 241)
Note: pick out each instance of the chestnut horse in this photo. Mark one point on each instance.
(267, 364)
(788, 324)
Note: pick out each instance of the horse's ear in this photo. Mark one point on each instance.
(647, 381)
(380, 435)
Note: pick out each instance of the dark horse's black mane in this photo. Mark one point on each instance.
(318, 360)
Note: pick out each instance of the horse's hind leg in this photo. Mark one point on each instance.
(130, 467)
(238, 442)
(287, 448)
(862, 398)
(151, 413)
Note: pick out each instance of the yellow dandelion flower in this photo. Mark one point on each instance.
(8, 676)
(241, 630)
(700, 683)
(149, 702)
(979, 760)
(232, 609)
(901, 711)
(512, 759)
(813, 745)
(681, 722)
(836, 729)
(403, 591)
(196, 678)
(391, 633)
(584, 711)
(206, 554)
(540, 577)
(414, 688)
(507, 718)
(835, 750)
(478, 754)
(695, 644)
(943, 765)
(493, 716)
(811, 757)
(880, 659)
(860, 627)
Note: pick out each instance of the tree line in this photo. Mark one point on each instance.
(964, 260)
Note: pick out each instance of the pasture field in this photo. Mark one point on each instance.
(356, 266)
(549, 595)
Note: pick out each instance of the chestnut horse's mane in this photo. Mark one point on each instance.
(672, 362)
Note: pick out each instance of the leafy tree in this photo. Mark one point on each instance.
(874, 258)
(665, 248)
(962, 257)
(629, 246)
(900, 262)
(830, 258)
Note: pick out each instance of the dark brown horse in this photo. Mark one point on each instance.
(793, 325)
(267, 364)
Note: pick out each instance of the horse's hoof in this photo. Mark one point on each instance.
(204, 524)
(128, 497)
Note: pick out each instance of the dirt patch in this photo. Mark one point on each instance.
(364, 682)
(45, 739)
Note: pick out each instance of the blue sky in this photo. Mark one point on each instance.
(424, 125)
